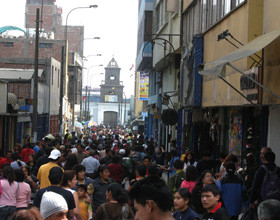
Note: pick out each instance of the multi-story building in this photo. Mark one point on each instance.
(18, 54)
(143, 61)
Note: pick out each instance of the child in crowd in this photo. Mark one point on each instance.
(85, 207)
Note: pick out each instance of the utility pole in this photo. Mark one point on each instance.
(61, 92)
(35, 91)
(74, 98)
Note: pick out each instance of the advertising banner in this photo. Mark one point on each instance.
(144, 86)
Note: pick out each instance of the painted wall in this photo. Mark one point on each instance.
(245, 23)
(273, 138)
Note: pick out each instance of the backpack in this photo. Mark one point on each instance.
(271, 184)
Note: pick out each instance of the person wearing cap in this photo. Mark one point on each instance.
(44, 170)
(53, 207)
(55, 177)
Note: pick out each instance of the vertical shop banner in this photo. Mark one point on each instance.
(144, 86)
(235, 133)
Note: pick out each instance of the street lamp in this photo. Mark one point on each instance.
(91, 38)
(65, 33)
(87, 93)
(65, 55)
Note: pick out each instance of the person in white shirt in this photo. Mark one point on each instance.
(91, 164)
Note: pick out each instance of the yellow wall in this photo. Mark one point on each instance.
(244, 24)
(271, 53)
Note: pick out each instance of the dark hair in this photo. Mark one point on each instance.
(71, 161)
(48, 150)
(78, 168)
(178, 164)
(116, 159)
(206, 154)
(16, 158)
(27, 168)
(9, 174)
(147, 157)
(55, 175)
(141, 169)
(230, 168)
(269, 156)
(152, 188)
(153, 170)
(192, 160)
(199, 183)
(184, 193)
(19, 175)
(191, 173)
(68, 175)
(211, 188)
(28, 214)
(118, 193)
(82, 187)
(100, 169)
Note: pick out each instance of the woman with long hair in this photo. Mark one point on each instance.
(30, 179)
(8, 198)
(23, 191)
(115, 207)
(32, 161)
(206, 178)
(189, 160)
(191, 178)
(68, 182)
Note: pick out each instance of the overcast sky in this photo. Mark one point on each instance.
(114, 21)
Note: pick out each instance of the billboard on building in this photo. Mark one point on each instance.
(144, 86)
(111, 98)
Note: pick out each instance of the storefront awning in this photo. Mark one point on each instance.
(217, 67)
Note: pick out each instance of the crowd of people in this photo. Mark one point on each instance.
(115, 174)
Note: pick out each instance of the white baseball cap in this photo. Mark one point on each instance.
(55, 154)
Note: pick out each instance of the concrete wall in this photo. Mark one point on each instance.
(273, 139)
(54, 87)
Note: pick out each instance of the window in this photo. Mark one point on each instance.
(112, 77)
(160, 15)
(7, 44)
(203, 14)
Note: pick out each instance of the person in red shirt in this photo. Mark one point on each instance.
(8, 159)
(116, 170)
(26, 152)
